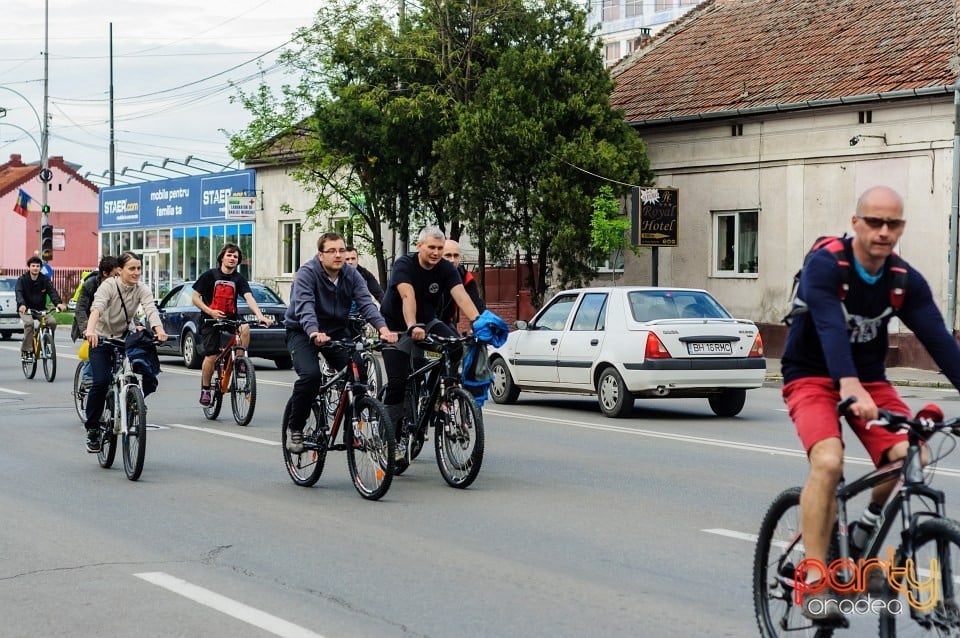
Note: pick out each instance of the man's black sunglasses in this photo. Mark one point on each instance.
(878, 222)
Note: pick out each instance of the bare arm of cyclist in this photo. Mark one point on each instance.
(267, 321)
(409, 300)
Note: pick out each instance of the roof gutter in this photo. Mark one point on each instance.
(797, 106)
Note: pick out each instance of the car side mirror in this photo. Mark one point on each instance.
(520, 324)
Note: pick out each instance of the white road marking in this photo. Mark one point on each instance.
(240, 611)
(242, 437)
(9, 391)
(699, 440)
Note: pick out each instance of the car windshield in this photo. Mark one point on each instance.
(262, 294)
(649, 305)
(8, 285)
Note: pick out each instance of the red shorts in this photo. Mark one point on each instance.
(812, 403)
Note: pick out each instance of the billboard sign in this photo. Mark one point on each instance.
(198, 199)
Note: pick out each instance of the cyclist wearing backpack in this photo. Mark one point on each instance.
(836, 347)
(215, 293)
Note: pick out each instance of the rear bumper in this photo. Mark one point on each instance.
(695, 374)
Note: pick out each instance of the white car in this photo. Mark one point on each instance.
(9, 318)
(629, 342)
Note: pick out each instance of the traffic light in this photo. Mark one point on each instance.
(45, 209)
(46, 242)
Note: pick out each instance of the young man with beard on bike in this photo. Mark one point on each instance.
(411, 305)
(319, 310)
(836, 348)
(215, 293)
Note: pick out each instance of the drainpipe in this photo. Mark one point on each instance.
(954, 215)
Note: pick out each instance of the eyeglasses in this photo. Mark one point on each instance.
(334, 251)
(878, 222)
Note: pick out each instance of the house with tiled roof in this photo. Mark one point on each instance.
(73, 203)
(771, 117)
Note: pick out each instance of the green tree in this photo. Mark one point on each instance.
(608, 228)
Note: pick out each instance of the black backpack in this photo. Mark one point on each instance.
(896, 276)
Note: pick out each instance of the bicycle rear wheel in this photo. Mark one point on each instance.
(134, 434)
(374, 375)
(936, 606)
(108, 438)
(80, 393)
(243, 390)
(370, 447)
(778, 551)
(212, 411)
(48, 352)
(458, 438)
(305, 468)
(29, 367)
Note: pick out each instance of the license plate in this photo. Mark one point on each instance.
(709, 348)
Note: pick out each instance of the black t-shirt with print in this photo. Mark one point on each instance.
(429, 287)
(209, 282)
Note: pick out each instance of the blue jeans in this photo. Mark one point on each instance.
(101, 366)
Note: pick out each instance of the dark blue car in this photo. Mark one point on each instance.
(181, 320)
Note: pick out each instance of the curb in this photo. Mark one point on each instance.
(776, 381)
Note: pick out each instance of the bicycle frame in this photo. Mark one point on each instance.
(123, 378)
(224, 362)
(351, 388)
(437, 383)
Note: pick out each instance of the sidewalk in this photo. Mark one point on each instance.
(915, 377)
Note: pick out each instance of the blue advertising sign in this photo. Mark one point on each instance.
(174, 202)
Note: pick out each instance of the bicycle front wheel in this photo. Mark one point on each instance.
(305, 468)
(243, 390)
(48, 352)
(134, 433)
(925, 601)
(370, 447)
(80, 393)
(458, 438)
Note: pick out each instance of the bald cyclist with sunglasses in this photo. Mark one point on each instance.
(837, 348)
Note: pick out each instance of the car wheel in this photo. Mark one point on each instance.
(191, 354)
(502, 387)
(283, 363)
(612, 394)
(728, 402)
(5, 335)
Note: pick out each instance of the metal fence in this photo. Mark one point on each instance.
(65, 280)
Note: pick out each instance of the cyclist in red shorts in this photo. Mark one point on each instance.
(836, 349)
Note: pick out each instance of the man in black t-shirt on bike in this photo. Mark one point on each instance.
(215, 293)
(411, 305)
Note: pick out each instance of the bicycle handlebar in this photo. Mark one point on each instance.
(36, 314)
(928, 421)
(353, 344)
(233, 323)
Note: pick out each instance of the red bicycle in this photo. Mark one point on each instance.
(233, 374)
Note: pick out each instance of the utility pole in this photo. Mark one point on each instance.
(113, 150)
(46, 233)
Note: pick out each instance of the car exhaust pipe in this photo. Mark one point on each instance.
(662, 391)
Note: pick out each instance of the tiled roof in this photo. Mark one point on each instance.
(14, 174)
(728, 55)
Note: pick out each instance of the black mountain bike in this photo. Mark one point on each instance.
(343, 403)
(918, 594)
(434, 397)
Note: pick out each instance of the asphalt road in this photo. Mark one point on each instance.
(578, 525)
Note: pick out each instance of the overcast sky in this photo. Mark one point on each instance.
(166, 102)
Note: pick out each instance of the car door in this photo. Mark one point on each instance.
(535, 357)
(582, 342)
(171, 314)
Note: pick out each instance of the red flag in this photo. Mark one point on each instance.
(23, 201)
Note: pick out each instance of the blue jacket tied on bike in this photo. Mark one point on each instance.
(142, 354)
(490, 329)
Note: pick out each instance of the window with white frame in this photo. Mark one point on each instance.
(289, 247)
(735, 242)
(611, 9)
(633, 8)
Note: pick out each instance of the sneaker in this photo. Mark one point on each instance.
(206, 397)
(295, 442)
(401, 450)
(93, 440)
(823, 609)
(27, 357)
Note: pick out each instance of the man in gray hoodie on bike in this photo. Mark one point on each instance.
(319, 309)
